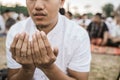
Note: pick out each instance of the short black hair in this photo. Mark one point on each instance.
(99, 15)
(7, 10)
(62, 11)
(84, 15)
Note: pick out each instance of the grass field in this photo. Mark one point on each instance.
(103, 67)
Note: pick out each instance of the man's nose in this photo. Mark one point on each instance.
(39, 5)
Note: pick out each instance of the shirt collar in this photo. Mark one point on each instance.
(57, 27)
(55, 30)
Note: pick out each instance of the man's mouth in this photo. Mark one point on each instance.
(39, 15)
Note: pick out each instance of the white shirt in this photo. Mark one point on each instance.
(86, 22)
(2, 24)
(110, 26)
(71, 39)
(116, 32)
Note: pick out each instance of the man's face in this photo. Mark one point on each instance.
(85, 17)
(44, 12)
(97, 19)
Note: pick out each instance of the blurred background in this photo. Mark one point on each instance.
(101, 18)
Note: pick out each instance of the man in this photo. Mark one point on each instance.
(114, 37)
(7, 14)
(9, 19)
(32, 56)
(110, 24)
(84, 22)
(98, 31)
(69, 15)
(2, 25)
(9, 23)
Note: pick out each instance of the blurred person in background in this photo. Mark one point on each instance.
(6, 15)
(22, 16)
(114, 38)
(9, 23)
(69, 15)
(84, 22)
(10, 18)
(2, 25)
(98, 30)
(110, 24)
(14, 16)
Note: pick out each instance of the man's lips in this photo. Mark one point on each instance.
(39, 15)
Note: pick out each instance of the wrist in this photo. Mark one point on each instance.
(28, 68)
(28, 71)
(49, 68)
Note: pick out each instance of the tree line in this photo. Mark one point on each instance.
(18, 9)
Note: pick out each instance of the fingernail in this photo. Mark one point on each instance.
(22, 34)
(37, 31)
(33, 36)
(17, 35)
(43, 33)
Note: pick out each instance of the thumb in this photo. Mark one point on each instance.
(55, 51)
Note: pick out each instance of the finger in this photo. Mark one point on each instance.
(29, 54)
(19, 44)
(47, 44)
(42, 48)
(24, 46)
(32, 53)
(36, 50)
(55, 51)
(12, 47)
(28, 49)
(29, 59)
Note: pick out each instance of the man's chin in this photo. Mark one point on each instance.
(41, 26)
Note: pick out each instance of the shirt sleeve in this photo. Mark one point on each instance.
(81, 59)
(106, 27)
(89, 27)
(11, 63)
